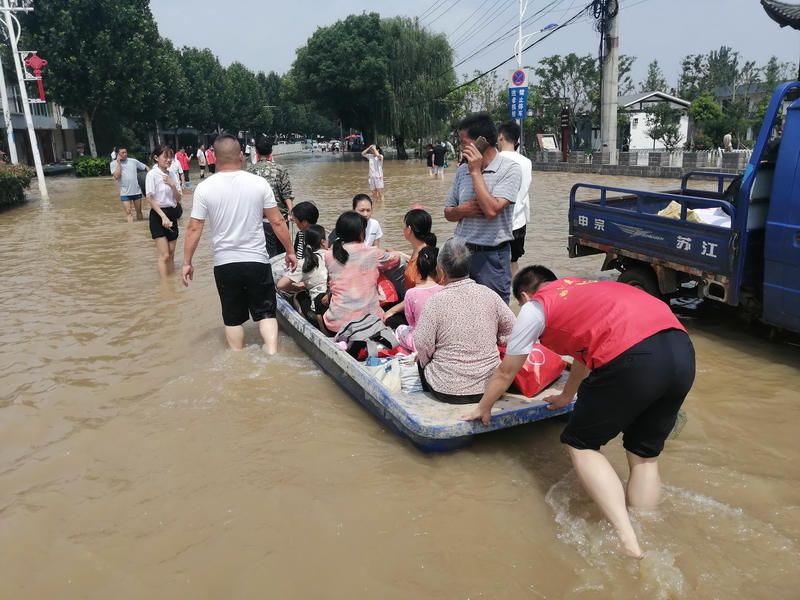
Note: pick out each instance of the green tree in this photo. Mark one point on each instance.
(705, 122)
(664, 124)
(343, 72)
(248, 112)
(209, 99)
(99, 54)
(420, 73)
(655, 80)
(166, 92)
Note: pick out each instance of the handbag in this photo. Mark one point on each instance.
(542, 367)
(387, 372)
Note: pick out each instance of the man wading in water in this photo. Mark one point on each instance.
(634, 365)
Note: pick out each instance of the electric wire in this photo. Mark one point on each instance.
(568, 22)
(443, 13)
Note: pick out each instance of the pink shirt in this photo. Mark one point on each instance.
(415, 301)
(354, 285)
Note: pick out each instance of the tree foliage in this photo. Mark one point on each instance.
(343, 72)
(420, 75)
(99, 53)
(664, 122)
(654, 81)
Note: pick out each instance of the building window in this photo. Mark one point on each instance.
(634, 122)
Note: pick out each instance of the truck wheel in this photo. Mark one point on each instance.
(641, 277)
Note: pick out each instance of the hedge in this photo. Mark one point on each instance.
(14, 180)
(86, 166)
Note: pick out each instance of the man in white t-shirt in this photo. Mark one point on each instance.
(508, 144)
(234, 202)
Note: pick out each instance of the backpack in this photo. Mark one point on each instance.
(367, 331)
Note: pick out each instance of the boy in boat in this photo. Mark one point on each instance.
(634, 365)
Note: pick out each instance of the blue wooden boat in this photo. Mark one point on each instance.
(432, 426)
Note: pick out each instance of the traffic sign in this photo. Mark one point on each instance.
(518, 102)
(518, 78)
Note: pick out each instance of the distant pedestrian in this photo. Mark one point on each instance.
(124, 170)
(727, 142)
(202, 160)
(234, 202)
(375, 158)
(164, 196)
(438, 159)
(183, 159)
(211, 159)
(429, 159)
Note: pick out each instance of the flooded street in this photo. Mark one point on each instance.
(140, 459)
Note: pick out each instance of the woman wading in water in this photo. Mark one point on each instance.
(164, 195)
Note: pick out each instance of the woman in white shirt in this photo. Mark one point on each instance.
(164, 196)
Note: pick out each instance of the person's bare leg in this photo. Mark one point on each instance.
(137, 205)
(604, 487)
(235, 336)
(644, 483)
(514, 269)
(162, 245)
(126, 205)
(171, 260)
(269, 331)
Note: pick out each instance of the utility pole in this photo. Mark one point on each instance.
(12, 145)
(13, 38)
(610, 80)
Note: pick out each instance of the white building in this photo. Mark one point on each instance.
(636, 107)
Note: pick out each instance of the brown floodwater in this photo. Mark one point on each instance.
(139, 458)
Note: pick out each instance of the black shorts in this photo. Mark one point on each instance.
(186, 175)
(638, 393)
(518, 243)
(245, 287)
(157, 230)
(212, 168)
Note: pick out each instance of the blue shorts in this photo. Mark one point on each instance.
(131, 198)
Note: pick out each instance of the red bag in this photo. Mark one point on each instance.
(541, 368)
(385, 353)
(387, 294)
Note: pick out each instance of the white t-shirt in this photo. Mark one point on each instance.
(201, 158)
(522, 207)
(233, 202)
(154, 186)
(316, 280)
(175, 167)
(373, 232)
(527, 329)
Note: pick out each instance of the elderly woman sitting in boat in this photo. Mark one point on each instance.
(353, 270)
(459, 330)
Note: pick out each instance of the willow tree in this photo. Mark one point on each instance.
(420, 75)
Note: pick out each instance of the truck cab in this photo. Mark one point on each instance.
(748, 256)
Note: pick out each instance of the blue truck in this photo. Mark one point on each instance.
(751, 260)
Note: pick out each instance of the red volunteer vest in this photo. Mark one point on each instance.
(596, 321)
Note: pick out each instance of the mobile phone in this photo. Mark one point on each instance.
(481, 144)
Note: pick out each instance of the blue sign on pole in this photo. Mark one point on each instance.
(518, 102)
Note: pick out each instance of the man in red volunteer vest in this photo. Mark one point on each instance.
(634, 365)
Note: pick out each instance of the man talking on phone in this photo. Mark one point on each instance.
(482, 200)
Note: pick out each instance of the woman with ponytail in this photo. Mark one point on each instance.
(309, 282)
(417, 231)
(353, 270)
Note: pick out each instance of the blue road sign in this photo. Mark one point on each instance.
(518, 102)
(518, 78)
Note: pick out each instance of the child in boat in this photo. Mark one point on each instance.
(309, 282)
(362, 204)
(417, 296)
(304, 214)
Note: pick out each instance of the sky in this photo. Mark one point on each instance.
(263, 35)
